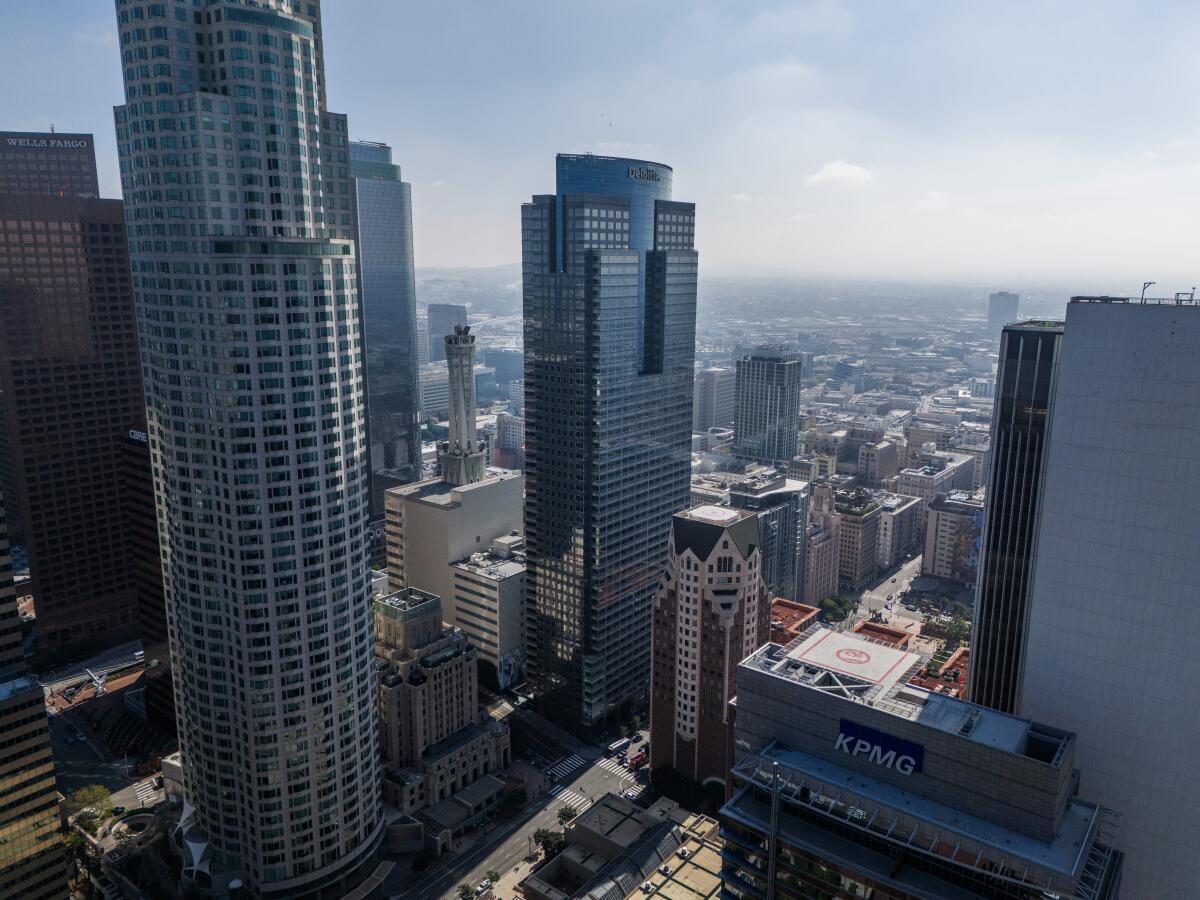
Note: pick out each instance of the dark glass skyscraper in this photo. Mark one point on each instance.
(609, 271)
(442, 317)
(70, 388)
(1024, 388)
(388, 292)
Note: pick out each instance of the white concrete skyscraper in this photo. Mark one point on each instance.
(237, 192)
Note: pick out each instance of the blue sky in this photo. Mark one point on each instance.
(930, 139)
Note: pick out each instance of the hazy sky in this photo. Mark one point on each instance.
(989, 141)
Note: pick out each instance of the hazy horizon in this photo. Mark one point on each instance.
(883, 140)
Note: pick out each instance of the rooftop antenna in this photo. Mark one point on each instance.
(1146, 284)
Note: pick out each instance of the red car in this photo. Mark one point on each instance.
(636, 762)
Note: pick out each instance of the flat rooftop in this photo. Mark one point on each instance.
(863, 670)
(850, 654)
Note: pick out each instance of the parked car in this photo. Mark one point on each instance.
(483, 887)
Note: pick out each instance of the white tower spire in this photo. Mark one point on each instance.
(461, 457)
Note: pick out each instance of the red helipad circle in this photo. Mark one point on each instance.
(853, 655)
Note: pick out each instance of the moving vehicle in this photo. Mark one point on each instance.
(617, 746)
(636, 762)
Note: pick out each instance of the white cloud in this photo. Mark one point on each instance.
(802, 217)
(840, 173)
(740, 197)
(434, 185)
(933, 201)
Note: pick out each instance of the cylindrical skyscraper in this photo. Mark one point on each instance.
(237, 195)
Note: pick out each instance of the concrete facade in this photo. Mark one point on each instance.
(953, 535)
(895, 788)
(1112, 620)
(432, 524)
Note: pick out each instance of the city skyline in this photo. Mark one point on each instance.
(900, 162)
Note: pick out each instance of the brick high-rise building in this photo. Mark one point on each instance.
(33, 865)
(710, 613)
(70, 385)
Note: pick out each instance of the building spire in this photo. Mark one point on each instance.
(461, 456)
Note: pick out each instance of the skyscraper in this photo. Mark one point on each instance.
(1112, 628)
(767, 405)
(711, 612)
(49, 165)
(442, 319)
(609, 276)
(70, 388)
(244, 267)
(387, 286)
(781, 505)
(715, 399)
(33, 865)
(1002, 309)
(1024, 389)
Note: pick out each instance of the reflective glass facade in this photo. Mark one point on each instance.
(1024, 388)
(388, 292)
(609, 275)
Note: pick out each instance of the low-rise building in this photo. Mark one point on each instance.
(434, 740)
(858, 518)
(936, 472)
(901, 525)
(852, 782)
(953, 533)
(614, 849)
(489, 603)
(878, 463)
(431, 524)
(790, 619)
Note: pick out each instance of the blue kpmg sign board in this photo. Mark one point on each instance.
(879, 747)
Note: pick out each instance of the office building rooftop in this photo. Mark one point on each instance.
(876, 674)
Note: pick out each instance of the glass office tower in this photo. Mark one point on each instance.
(1024, 389)
(609, 271)
(767, 405)
(388, 290)
(238, 212)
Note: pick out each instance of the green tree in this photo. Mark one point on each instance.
(566, 814)
(492, 875)
(95, 796)
(466, 891)
(90, 805)
(549, 841)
